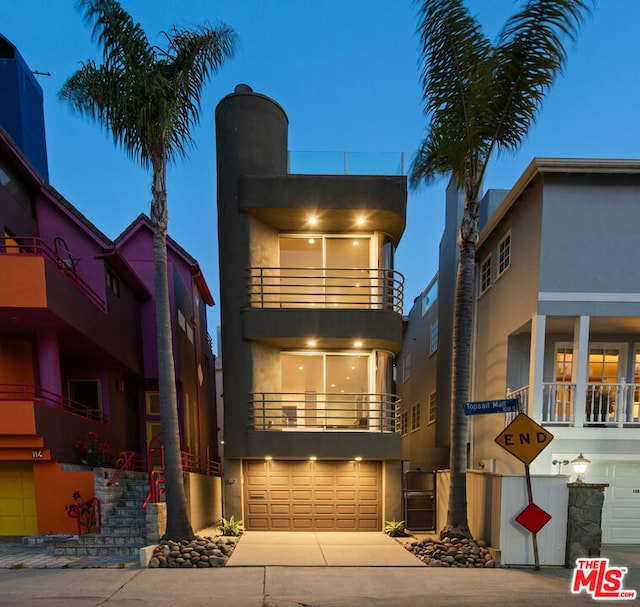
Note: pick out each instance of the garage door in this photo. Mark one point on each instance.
(17, 499)
(312, 495)
(621, 510)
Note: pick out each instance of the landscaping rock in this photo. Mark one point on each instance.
(197, 553)
(451, 552)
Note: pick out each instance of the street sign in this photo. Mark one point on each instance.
(491, 406)
(533, 518)
(524, 439)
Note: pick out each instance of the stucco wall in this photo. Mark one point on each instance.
(204, 494)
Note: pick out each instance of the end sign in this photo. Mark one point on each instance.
(524, 439)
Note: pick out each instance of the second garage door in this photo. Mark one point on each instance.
(312, 495)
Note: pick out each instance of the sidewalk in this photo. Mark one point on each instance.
(329, 570)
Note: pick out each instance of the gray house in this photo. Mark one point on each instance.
(557, 325)
(311, 317)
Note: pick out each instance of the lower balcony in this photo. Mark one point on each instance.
(600, 405)
(324, 412)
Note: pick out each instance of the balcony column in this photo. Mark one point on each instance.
(536, 367)
(49, 362)
(580, 368)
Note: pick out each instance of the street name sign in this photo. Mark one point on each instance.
(524, 439)
(505, 405)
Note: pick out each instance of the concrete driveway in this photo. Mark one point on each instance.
(330, 549)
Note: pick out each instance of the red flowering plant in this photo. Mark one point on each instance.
(94, 453)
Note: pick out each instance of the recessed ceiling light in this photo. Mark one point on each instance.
(357, 344)
(360, 220)
(311, 343)
(313, 220)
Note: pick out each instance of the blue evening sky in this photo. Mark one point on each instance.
(346, 73)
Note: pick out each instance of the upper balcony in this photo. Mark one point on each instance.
(26, 277)
(326, 288)
(337, 307)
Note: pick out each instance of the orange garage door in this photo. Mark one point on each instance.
(312, 495)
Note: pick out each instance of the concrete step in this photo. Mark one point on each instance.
(96, 550)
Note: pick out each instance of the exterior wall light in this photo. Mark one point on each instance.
(580, 465)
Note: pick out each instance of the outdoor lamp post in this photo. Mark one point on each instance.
(580, 465)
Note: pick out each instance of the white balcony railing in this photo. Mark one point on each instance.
(326, 288)
(602, 404)
(317, 411)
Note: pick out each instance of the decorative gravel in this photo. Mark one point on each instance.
(452, 552)
(197, 553)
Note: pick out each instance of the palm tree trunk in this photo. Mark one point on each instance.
(178, 524)
(457, 524)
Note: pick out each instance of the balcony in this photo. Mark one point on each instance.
(324, 412)
(23, 247)
(603, 405)
(40, 396)
(326, 288)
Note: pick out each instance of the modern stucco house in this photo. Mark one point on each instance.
(557, 325)
(311, 313)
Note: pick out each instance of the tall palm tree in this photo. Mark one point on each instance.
(480, 98)
(148, 98)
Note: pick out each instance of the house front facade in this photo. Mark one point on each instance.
(558, 325)
(311, 311)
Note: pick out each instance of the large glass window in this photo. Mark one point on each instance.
(326, 271)
(325, 389)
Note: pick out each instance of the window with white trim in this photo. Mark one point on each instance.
(406, 366)
(485, 274)
(433, 343)
(404, 423)
(432, 408)
(504, 254)
(415, 417)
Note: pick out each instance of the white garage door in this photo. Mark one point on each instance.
(621, 510)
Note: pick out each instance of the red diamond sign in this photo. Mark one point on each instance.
(533, 518)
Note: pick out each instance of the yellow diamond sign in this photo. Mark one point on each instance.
(524, 438)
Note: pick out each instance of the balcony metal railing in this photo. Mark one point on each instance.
(318, 411)
(605, 404)
(326, 288)
(31, 245)
(46, 398)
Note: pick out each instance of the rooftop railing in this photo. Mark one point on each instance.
(346, 163)
(326, 288)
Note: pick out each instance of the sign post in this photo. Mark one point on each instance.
(525, 439)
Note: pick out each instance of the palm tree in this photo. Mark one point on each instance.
(479, 98)
(148, 98)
